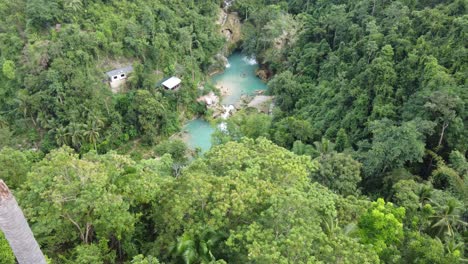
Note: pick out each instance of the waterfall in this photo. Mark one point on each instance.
(227, 112)
(250, 60)
(227, 4)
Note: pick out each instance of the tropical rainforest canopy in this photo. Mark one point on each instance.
(363, 159)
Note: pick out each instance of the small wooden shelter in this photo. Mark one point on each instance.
(171, 83)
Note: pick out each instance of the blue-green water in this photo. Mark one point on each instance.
(240, 78)
(199, 134)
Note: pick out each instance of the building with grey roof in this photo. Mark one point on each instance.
(117, 77)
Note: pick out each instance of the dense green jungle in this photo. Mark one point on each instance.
(363, 158)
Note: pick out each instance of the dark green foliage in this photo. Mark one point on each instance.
(387, 81)
(392, 147)
(290, 129)
(355, 62)
(14, 165)
(41, 13)
(52, 72)
(424, 249)
(342, 141)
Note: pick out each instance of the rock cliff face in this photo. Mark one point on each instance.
(231, 28)
(263, 74)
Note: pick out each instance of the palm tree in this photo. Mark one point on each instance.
(448, 219)
(73, 7)
(75, 132)
(3, 123)
(330, 226)
(16, 229)
(92, 133)
(24, 106)
(61, 136)
(197, 248)
(324, 146)
(187, 249)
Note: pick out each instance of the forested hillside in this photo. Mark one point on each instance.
(362, 160)
(385, 80)
(54, 56)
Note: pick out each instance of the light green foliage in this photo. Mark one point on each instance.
(342, 248)
(8, 69)
(249, 125)
(88, 254)
(382, 227)
(5, 137)
(349, 210)
(412, 195)
(417, 199)
(197, 247)
(244, 124)
(276, 237)
(176, 148)
(6, 255)
(140, 259)
(78, 201)
(339, 172)
(257, 201)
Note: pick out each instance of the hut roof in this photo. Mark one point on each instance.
(120, 71)
(171, 82)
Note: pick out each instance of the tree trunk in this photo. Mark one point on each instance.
(444, 126)
(373, 8)
(16, 229)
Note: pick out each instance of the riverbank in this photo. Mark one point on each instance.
(237, 82)
(238, 79)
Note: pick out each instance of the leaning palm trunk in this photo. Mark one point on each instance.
(16, 229)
